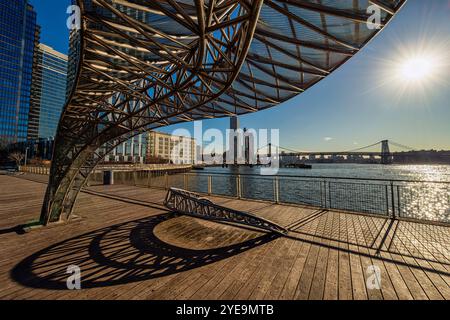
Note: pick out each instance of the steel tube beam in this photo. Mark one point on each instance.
(138, 65)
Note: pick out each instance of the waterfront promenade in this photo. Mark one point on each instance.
(129, 246)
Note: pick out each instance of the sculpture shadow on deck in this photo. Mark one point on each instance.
(120, 254)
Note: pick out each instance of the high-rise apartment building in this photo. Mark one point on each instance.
(234, 141)
(19, 35)
(176, 149)
(131, 151)
(48, 96)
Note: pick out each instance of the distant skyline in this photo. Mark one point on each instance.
(359, 104)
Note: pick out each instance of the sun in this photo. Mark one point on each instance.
(417, 69)
(413, 71)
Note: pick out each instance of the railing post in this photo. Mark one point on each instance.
(276, 190)
(209, 185)
(393, 201)
(148, 178)
(387, 199)
(238, 186)
(327, 192)
(166, 178)
(323, 194)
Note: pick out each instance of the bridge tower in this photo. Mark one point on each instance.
(386, 156)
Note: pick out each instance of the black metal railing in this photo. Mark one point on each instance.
(410, 199)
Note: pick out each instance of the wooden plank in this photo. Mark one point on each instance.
(320, 273)
(372, 231)
(344, 275)
(401, 288)
(307, 276)
(331, 291)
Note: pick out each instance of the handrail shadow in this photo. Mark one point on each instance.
(119, 254)
(17, 229)
(414, 240)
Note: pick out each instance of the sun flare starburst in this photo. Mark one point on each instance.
(416, 69)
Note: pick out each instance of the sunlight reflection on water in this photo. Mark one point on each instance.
(421, 199)
(425, 194)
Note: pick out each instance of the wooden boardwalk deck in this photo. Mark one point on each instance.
(129, 247)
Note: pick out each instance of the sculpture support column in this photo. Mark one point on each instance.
(107, 106)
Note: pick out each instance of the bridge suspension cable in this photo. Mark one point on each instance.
(281, 148)
(363, 148)
(401, 146)
(290, 150)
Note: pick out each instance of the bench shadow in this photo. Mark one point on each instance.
(119, 254)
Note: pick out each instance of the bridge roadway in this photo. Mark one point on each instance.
(363, 154)
(129, 247)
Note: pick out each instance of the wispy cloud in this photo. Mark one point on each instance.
(327, 139)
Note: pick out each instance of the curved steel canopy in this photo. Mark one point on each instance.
(144, 64)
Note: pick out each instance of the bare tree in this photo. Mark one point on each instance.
(17, 157)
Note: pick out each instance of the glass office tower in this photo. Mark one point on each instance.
(19, 35)
(48, 92)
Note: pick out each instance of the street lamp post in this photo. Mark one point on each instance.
(26, 155)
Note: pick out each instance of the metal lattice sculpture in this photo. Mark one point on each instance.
(145, 64)
(195, 205)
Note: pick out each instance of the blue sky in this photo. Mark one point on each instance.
(360, 103)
